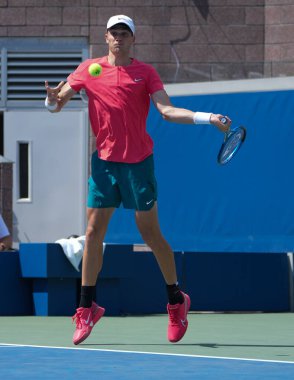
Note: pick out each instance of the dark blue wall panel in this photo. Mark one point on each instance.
(15, 292)
(131, 283)
(237, 281)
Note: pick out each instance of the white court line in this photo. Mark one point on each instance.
(9, 345)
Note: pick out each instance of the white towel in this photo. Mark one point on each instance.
(73, 249)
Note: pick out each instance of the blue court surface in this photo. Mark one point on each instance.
(40, 362)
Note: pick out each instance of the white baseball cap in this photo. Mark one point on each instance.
(121, 19)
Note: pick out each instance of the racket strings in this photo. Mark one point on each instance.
(231, 145)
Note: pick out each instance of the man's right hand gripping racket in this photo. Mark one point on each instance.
(233, 141)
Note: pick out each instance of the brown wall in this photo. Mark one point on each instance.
(210, 39)
(279, 38)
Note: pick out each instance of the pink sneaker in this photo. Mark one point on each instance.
(85, 319)
(97, 312)
(178, 322)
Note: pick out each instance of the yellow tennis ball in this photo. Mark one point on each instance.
(95, 69)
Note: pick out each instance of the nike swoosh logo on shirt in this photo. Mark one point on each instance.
(137, 79)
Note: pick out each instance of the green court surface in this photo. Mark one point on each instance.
(265, 336)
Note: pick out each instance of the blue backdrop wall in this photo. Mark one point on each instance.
(244, 206)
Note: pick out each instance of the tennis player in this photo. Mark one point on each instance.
(122, 167)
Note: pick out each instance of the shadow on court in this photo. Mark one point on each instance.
(263, 336)
(208, 345)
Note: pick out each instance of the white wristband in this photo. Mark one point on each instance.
(50, 107)
(202, 117)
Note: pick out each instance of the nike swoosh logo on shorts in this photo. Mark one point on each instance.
(148, 203)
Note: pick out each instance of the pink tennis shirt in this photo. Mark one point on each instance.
(119, 102)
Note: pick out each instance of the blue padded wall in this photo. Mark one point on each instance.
(45, 260)
(245, 206)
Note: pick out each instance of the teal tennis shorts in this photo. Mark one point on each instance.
(114, 183)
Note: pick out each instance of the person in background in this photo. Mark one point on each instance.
(5, 237)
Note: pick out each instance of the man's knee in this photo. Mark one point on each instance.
(151, 236)
(94, 234)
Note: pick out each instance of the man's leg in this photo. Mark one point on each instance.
(148, 225)
(89, 313)
(179, 302)
(98, 220)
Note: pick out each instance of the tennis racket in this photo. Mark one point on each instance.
(233, 141)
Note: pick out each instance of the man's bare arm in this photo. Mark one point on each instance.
(181, 115)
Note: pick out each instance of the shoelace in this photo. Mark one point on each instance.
(77, 317)
(174, 316)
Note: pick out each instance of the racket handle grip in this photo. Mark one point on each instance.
(223, 120)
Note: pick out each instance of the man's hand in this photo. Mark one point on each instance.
(215, 120)
(52, 93)
(58, 96)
